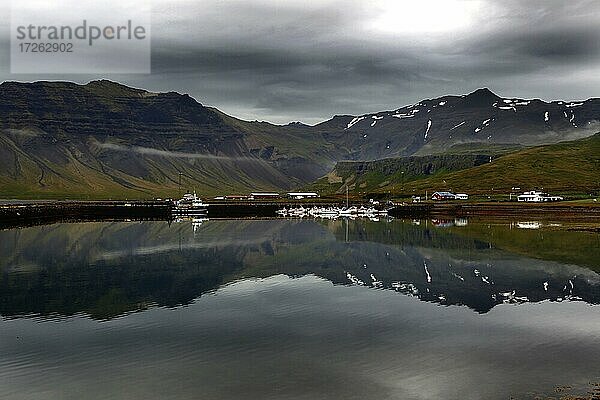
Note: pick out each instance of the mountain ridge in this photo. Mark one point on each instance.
(105, 139)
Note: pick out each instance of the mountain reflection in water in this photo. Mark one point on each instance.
(285, 309)
(105, 269)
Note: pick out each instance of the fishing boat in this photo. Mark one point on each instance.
(189, 205)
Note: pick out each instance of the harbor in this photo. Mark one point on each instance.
(26, 213)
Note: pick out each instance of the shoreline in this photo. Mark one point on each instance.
(16, 213)
(555, 210)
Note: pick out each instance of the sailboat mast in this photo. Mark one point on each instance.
(346, 196)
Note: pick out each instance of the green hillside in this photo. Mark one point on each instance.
(568, 167)
(371, 176)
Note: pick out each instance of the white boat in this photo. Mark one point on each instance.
(349, 211)
(332, 212)
(328, 211)
(189, 204)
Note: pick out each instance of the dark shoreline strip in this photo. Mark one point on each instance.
(27, 214)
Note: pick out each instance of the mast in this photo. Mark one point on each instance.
(346, 196)
(179, 185)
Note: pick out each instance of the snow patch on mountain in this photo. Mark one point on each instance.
(428, 128)
(375, 119)
(456, 126)
(508, 108)
(354, 121)
(572, 119)
(570, 105)
(484, 124)
(402, 116)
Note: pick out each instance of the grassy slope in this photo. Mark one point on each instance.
(380, 174)
(78, 179)
(567, 167)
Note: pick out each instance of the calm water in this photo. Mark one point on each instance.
(298, 310)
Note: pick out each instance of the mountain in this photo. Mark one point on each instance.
(571, 167)
(107, 140)
(104, 139)
(482, 117)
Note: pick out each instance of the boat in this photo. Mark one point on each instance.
(348, 211)
(189, 205)
(332, 212)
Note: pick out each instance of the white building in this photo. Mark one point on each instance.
(302, 195)
(537, 197)
(449, 196)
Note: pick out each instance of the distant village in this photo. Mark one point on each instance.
(269, 196)
(530, 197)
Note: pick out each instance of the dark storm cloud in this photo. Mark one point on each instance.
(570, 45)
(299, 60)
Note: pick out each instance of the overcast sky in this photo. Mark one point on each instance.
(308, 60)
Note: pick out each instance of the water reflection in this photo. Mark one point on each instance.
(107, 269)
(296, 310)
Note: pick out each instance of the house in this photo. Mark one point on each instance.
(449, 196)
(236, 197)
(254, 196)
(302, 195)
(443, 196)
(537, 197)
